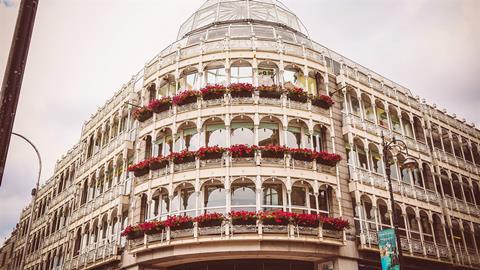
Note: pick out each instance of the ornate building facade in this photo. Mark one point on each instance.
(80, 212)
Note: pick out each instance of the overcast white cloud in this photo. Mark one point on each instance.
(82, 51)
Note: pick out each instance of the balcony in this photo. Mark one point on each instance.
(97, 256)
(230, 232)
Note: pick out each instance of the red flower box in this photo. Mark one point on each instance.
(328, 159)
(152, 227)
(272, 91)
(132, 232)
(323, 101)
(273, 151)
(334, 224)
(276, 218)
(243, 218)
(209, 220)
(178, 223)
(160, 105)
(213, 92)
(307, 220)
(186, 97)
(239, 90)
(142, 114)
(303, 154)
(140, 168)
(183, 157)
(297, 94)
(158, 163)
(210, 152)
(242, 150)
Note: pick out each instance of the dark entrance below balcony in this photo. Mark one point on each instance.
(250, 264)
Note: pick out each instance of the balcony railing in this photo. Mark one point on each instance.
(228, 232)
(98, 254)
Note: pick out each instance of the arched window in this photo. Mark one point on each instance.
(84, 192)
(267, 73)
(457, 187)
(214, 197)
(319, 138)
(215, 133)
(384, 216)
(167, 86)
(148, 147)
(368, 108)
(413, 224)
(161, 203)
(184, 201)
(152, 92)
(468, 191)
(297, 134)
(368, 212)
(268, 132)
(445, 180)
(272, 195)
(359, 149)
(242, 131)
(143, 208)
(407, 126)
(187, 137)
(301, 196)
(400, 220)
(395, 121)
(438, 231)
(376, 163)
(354, 103)
(216, 74)
(417, 127)
(426, 228)
(188, 80)
(381, 114)
(404, 170)
(241, 72)
(325, 194)
(243, 195)
(293, 77)
(164, 142)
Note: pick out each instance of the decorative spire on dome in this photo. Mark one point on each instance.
(228, 11)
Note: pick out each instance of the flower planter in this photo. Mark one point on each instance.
(161, 108)
(307, 230)
(324, 102)
(241, 94)
(178, 233)
(184, 160)
(244, 229)
(212, 96)
(302, 156)
(298, 98)
(244, 222)
(272, 154)
(158, 165)
(279, 229)
(210, 223)
(188, 100)
(270, 94)
(210, 230)
(326, 162)
(135, 235)
(141, 172)
(142, 117)
(334, 234)
(154, 231)
(212, 156)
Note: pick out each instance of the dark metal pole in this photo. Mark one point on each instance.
(392, 201)
(12, 80)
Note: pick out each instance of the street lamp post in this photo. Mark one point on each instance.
(409, 163)
(34, 196)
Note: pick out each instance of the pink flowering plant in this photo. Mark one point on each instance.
(240, 89)
(186, 97)
(322, 101)
(140, 168)
(276, 218)
(209, 220)
(328, 159)
(334, 224)
(179, 222)
(243, 217)
(142, 114)
(210, 152)
(160, 105)
(213, 91)
(297, 94)
(242, 150)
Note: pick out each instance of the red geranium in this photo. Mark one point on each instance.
(183, 156)
(213, 91)
(276, 218)
(307, 220)
(209, 220)
(160, 105)
(210, 152)
(156, 163)
(323, 101)
(186, 97)
(178, 222)
(304, 154)
(336, 224)
(142, 114)
(273, 151)
(297, 94)
(240, 87)
(242, 150)
(143, 165)
(243, 217)
(130, 229)
(328, 158)
(151, 227)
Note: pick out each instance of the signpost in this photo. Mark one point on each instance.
(387, 243)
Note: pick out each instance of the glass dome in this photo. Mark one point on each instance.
(227, 11)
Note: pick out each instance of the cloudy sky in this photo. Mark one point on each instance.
(82, 51)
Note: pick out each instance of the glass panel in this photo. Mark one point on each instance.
(217, 76)
(214, 196)
(268, 135)
(216, 136)
(243, 194)
(242, 134)
(272, 194)
(298, 196)
(242, 75)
